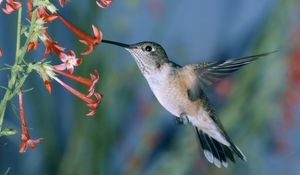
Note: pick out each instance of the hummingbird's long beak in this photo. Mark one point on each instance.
(116, 43)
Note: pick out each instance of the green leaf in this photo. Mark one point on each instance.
(7, 132)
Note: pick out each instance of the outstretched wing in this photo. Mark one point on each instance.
(217, 146)
(212, 72)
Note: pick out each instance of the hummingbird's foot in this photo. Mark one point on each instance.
(182, 120)
(179, 121)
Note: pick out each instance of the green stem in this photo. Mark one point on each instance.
(18, 74)
(23, 50)
(19, 83)
(3, 107)
(18, 34)
(13, 78)
(15, 83)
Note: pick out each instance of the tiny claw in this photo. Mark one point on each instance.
(182, 120)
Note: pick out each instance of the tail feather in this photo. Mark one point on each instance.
(216, 152)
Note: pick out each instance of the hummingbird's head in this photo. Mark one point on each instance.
(148, 55)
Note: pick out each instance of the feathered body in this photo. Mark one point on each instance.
(179, 90)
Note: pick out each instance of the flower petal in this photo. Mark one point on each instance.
(71, 53)
(32, 142)
(98, 34)
(60, 66)
(105, 3)
(95, 79)
(88, 50)
(11, 6)
(70, 69)
(78, 62)
(63, 57)
(48, 86)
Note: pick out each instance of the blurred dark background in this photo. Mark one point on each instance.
(131, 133)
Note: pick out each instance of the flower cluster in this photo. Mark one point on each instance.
(11, 6)
(40, 14)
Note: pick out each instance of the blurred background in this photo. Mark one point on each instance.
(131, 133)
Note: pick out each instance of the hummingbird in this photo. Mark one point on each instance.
(179, 89)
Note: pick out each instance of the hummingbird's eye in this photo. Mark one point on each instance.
(148, 48)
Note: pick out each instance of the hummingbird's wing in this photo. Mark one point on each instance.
(212, 72)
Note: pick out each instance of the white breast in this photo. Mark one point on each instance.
(165, 90)
(172, 95)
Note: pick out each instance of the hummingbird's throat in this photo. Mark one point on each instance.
(139, 62)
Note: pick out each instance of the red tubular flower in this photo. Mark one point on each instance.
(69, 61)
(90, 41)
(0, 52)
(45, 15)
(51, 46)
(29, 7)
(90, 83)
(32, 45)
(11, 6)
(25, 139)
(104, 3)
(42, 13)
(92, 103)
(93, 82)
(48, 86)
